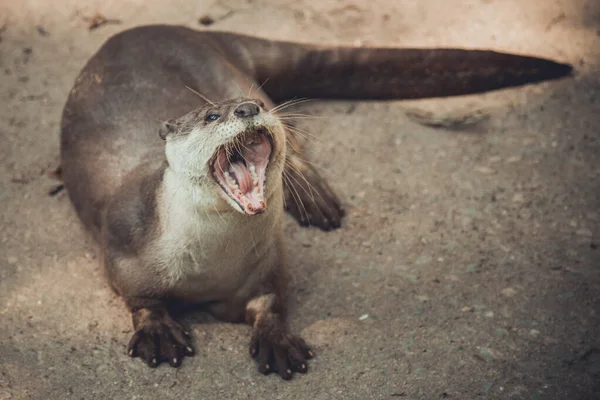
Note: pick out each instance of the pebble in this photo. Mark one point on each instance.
(518, 198)
(534, 332)
(488, 314)
(363, 317)
(423, 259)
(467, 309)
(485, 170)
(584, 232)
(509, 292)
(593, 216)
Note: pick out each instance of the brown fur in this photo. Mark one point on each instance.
(166, 233)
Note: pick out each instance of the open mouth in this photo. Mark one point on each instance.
(240, 169)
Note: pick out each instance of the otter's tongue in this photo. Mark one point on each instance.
(252, 196)
(243, 177)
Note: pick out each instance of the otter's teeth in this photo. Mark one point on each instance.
(253, 173)
(230, 181)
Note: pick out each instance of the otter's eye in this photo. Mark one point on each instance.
(212, 117)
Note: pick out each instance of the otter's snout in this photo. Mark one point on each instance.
(246, 110)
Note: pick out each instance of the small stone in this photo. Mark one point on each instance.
(592, 216)
(490, 354)
(488, 314)
(206, 20)
(518, 198)
(467, 309)
(423, 259)
(584, 232)
(485, 170)
(509, 292)
(554, 144)
(363, 317)
(534, 332)
(472, 267)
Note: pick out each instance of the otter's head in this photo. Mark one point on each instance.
(236, 146)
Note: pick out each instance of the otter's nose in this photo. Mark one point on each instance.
(246, 110)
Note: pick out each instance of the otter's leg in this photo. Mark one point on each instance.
(308, 197)
(273, 346)
(158, 337)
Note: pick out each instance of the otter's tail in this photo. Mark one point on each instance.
(298, 70)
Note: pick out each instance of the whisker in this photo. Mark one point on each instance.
(290, 103)
(239, 88)
(292, 145)
(303, 178)
(285, 115)
(200, 95)
(303, 133)
(310, 187)
(240, 152)
(293, 118)
(252, 238)
(280, 106)
(315, 165)
(295, 194)
(218, 213)
(263, 84)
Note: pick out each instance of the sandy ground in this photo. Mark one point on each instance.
(467, 268)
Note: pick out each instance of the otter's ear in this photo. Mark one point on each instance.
(166, 128)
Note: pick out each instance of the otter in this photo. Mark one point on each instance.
(185, 196)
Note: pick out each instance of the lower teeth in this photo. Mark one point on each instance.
(230, 181)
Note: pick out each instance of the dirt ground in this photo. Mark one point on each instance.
(468, 266)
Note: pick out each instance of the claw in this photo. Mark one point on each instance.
(278, 351)
(157, 341)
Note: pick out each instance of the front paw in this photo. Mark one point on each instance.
(277, 350)
(160, 340)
